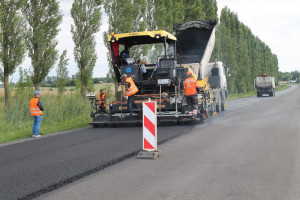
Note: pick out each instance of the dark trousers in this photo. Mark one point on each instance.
(101, 107)
(192, 102)
(131, 103)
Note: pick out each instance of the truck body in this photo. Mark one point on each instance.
(188, 49)
(265, 85)
(215, 72)
(195, 44)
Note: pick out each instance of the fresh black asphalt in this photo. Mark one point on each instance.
(35, 167)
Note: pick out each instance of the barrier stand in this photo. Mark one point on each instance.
(149, 132)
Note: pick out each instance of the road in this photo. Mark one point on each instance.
(250, 151)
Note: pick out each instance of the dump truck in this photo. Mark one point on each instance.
(265, 85)
(162, 79)
(195, 44)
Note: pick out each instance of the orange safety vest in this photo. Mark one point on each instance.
(132, 89)
(101, 98)
(190, 85)
(34, 109)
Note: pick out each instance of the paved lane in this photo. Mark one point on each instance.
(35, 167)
(40, 165)
(250, 152)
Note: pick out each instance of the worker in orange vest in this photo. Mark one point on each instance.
(130, 91)
(191, 88)
(102, 100)
(36, 110)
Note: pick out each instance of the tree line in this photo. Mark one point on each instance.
(32, 26)
(289, 76)
(246, 55)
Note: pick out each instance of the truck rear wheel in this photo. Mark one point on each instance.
(271, 94)
(222, 107)
(218, 105)
(259, 94)
(222, 101)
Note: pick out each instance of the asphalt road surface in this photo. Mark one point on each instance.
(250, 151)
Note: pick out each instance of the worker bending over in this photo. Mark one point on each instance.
(102, 100)
(191, 88)
(130, 91)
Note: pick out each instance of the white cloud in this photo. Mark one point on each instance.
(275, 22)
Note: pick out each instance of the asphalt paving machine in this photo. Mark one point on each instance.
(161, 80)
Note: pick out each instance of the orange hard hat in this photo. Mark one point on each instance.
(188, 73)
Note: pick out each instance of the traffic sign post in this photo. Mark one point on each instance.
(149, 131)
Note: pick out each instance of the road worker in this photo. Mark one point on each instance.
(125, 53)
(102, 100)
(130, 91)
(36, 110)
(191, 88)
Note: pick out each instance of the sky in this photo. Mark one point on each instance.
(275, 22)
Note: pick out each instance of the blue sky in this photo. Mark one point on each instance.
(275, 22)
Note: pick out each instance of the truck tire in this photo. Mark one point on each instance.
(271, 94)
(259, 94)
(218, 105)
(222, 96)
(222, 107)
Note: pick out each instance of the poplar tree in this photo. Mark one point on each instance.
(246, 55)
(62, 72)
(43, 17)
(87, 21)
(193, 10)
(210, 9)
(12, 43)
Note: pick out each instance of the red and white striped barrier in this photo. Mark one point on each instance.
(149, 126)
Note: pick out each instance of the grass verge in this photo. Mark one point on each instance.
(60, 114)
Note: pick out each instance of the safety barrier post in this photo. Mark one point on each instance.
(149, 131)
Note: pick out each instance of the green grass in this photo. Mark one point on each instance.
(282, 87)
(65, 113)
(61, 113)
(11, 133)
(241, 95)
(253, 93)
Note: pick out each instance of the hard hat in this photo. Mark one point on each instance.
(124, 76)
(188, 73)
(37, 93)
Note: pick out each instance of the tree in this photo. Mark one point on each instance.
(87, 20)
(210, 9)
(43, 17)
(246, 55)
(193, 10)
(12, 43)
(62, 72)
